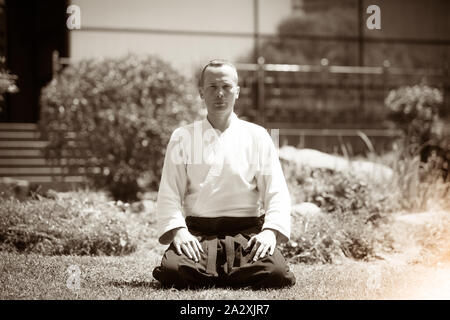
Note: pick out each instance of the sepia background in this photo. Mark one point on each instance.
(89, 99)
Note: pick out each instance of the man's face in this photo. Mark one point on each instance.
(219, 89)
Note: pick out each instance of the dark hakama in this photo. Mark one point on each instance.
(224, 262)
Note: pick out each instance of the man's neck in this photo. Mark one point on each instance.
(220, 122)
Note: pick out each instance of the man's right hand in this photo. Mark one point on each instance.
(186, 243)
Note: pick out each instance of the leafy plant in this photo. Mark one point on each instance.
(72, 224)
(7, 81)
(113, 118)
(350, 224)
(414, 185)
(415, 110)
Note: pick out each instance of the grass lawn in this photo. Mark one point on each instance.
(32, 276)
(404, 273)
(38, 277)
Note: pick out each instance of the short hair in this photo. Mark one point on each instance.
(214, 63)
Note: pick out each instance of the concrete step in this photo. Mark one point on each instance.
(21, 153)
(14, 162)
(18, 162)
(7, 126)
(51, 179)
(36, 171)
(19, 135)
(22, 156)
(34, 153)
(23, 144)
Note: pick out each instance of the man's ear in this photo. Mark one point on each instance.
(237, 91)
(200, 92)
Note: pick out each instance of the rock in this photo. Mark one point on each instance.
(51, 194)
(306, 209)
(137, 207)
(304, 215)
(317, 159)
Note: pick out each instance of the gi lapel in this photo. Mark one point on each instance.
(213, 156)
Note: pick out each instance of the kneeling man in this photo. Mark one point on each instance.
(223, 202)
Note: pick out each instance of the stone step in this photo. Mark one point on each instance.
(14, 162)
(19, 135)
(22, 156)
(51, 179)
(35, 171)
(21, 153)
(18, 162)
(23, 144)
(10, 126)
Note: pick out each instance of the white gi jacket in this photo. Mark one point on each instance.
(236, 173)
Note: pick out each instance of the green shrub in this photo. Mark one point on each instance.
(113, 117)
(336, 192)
(72, 225)
(7, 81)
(414, 186)
(416, 111)
(354, 212)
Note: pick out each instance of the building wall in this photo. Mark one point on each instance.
(409, 19)
(412, 19)
(153, 17)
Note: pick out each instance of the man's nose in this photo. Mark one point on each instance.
(219, 92)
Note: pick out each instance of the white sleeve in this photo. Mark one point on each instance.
(171, 189)
(273, 189)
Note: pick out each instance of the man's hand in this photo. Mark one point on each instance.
(184, 240)
(263, 243)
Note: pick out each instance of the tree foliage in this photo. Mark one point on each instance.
(117, 115)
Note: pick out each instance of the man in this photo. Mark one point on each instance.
(219, 174)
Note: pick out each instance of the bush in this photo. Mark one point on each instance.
(414, 185)
(72, 225)
(7, 81)
(114, 117)
(415, 110)
(354, 212)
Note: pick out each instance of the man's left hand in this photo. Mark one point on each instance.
(263, 243)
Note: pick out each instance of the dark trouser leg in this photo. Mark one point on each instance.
(268, 272)
(181, 272)
(224, 261)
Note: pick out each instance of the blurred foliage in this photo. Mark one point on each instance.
(356, 210)
(353, 213)
(418, 111)
(338, 21)
(325, 98)
(415, 110)
(117, 115)
(334, 22)
(70, 225)
(7, 81)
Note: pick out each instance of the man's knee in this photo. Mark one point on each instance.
(171, 262)
(171, 269)
(277, 271)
